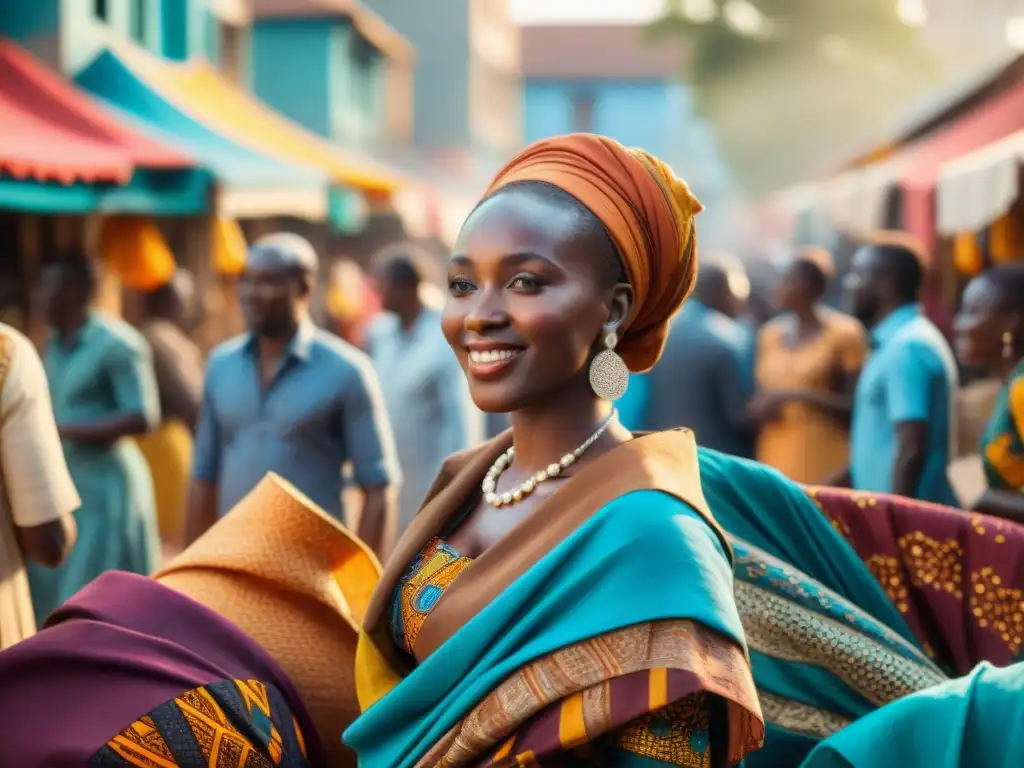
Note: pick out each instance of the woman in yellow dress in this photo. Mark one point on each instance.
(807, 364)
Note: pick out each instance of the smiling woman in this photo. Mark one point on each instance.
(529, 560)
(507, 264)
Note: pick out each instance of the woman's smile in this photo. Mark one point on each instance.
(491, 362)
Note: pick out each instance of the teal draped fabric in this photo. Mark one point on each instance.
(819, 661)
(105, 372)
(975, 720)
(764, 508)
(620, 568)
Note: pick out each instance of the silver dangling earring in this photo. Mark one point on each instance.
(1007, 345)
(609, 375)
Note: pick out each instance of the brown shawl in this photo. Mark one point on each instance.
(661, 461)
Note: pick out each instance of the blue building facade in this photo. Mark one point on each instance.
(608, 80)
(343, 90)
(68, 35)
(468, 80)
(644, 113)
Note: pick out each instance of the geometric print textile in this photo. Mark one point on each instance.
(236, 723)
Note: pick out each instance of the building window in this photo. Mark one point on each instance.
(100, 10)
(583, 113)
(138, 21)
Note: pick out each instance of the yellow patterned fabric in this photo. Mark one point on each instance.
(1003, 442)
(420, 588)
(229, 724)
(674, 735)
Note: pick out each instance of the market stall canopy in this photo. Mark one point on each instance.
(62, 151)
(856, 199)
(253, 183)
(935, 112)
(977, 189)
(919, 163)
(202, 92)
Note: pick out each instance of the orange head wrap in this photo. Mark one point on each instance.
(648, 212)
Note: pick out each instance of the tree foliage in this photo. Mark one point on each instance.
(789, 82)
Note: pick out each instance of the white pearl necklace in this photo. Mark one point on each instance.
(528, 486)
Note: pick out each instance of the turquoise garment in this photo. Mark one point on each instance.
(105, 371)
(819, 662)
(616, 570)
(761, 506)
(910, 376)
(1002, 444)
(769, 516)
(973, 721)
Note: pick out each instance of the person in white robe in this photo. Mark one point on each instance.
(426, 393)
(37, 496)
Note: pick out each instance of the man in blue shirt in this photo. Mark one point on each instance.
(903, 418)
(290, 398)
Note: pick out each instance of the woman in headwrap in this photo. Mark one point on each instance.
(990, 334)
(532, 611)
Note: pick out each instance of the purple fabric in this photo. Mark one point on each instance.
(116, 650)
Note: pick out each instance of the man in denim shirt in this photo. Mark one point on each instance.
(901, 434)
(290, 398)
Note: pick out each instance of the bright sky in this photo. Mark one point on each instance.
(584, 11)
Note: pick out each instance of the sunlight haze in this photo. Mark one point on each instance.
(584, 11)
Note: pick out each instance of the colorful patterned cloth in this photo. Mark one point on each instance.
(1002, 445)
(420, 589)
(650, 713)
(137, 674)
(956, 578)
(580, 661)
(819, 663)
(228, 724)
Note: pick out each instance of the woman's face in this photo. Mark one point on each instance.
(979, 325)
(525, 302)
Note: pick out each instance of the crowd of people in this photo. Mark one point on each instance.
(703, 541)
(867, 400)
